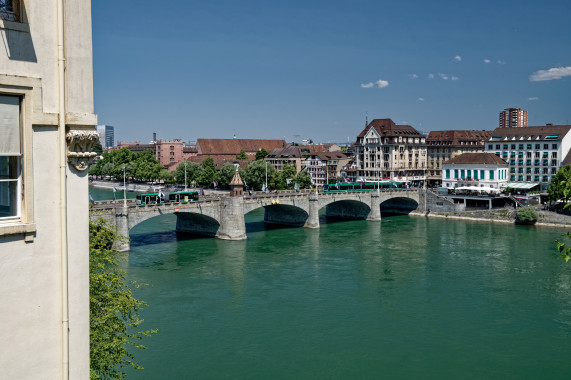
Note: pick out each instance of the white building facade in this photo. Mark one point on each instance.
(534, 154)
(47, 131)
(475, 170)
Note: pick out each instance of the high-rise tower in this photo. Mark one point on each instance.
(513, 118)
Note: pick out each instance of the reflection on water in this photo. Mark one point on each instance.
(407, 297)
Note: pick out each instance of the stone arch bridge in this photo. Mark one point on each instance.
(223, 218)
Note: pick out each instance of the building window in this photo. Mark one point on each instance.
(491, 174)
(553, 146)
(10, 158)
(545, 146)
(10, 10)
(537, 146)
(528, 146)
(455, 173)
(482, 174)
(447, 173)
(513, 146)
(520, 147)
(505, 146)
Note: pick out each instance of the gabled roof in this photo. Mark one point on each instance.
(234, 146)
(476, 158)
(387, 128)
(329, 155)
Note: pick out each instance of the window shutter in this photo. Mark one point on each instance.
(9, 126)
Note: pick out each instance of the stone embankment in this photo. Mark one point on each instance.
(502, 215)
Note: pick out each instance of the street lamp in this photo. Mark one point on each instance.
(124, 189)
(185, 175)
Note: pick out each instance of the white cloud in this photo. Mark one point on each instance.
(430, 76)
(367, 85)
(487, 60)
(382, 83)
(420, 99)
(550, 74)
(458, 58)
(533, 98)
(443, 76)
(454, 77)
(413, 76)
(500, 62)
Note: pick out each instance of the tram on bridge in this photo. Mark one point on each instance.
(347, 187)
(160, 197)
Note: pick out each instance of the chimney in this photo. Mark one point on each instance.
(154, 136)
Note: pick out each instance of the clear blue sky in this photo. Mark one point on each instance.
(269, 69)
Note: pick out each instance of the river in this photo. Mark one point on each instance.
(408, 297)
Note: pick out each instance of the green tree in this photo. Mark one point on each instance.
(303, 179)
(225, 174)
(560, 185)
(113, 311)
(242, 155)
(526, 215)
(255, 174)
(563, 248)
(193, 172)
(208, 174)
(97, 147)
(343, 148)
(261, 154)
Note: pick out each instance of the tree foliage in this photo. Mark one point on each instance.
(193, 172)
(141, 166)
(255, 174)
(560, 186)
(242, 155)
(113, 311)
(208, 173)
(261, 154)
(225, 175)
(303, 179)
(563, 248)
(527, 215)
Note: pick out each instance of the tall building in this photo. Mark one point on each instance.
(106, 135)
(534, 154)
(387, 151)
(47, 133)
(513, 118)
(444, 145)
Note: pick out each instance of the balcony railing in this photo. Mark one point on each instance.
(9, 10)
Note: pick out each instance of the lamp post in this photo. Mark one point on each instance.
(266, 166)
(185, 175)
(124, 189)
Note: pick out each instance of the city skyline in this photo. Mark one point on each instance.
(317, 70)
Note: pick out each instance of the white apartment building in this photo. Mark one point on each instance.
(47, 131)
(534, 154)
(475, 170)
(386, 151)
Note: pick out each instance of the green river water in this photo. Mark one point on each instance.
(408, 297)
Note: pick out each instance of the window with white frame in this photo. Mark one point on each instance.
(10, 159)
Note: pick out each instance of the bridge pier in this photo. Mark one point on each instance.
(232, 224)
(122, 229)
(375, 214)
(313, 214)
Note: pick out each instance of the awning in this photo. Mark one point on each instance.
(520, 185)
(475, 188)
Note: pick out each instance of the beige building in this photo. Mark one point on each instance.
(288, 155)
(387, 151)
(444, 145)
(47, 130)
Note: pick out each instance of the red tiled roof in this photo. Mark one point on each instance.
(234, 146)
(476, 158)
(457, 137)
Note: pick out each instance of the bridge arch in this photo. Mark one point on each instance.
(197, 223)
(399, 205)
(348, 209)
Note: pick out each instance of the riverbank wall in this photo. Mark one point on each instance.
(502, 215)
